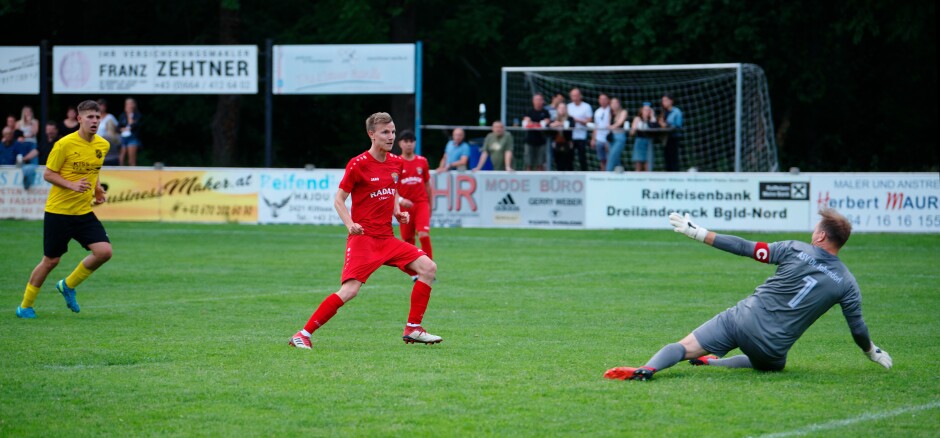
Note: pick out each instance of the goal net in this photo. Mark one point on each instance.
(727, 123)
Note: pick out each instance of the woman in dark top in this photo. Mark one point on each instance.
(129, 124)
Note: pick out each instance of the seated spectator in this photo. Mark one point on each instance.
(619, 116)
(498, 147)
(643, 145)
(48, 141)
(70, 124)
(28, 124)
(130, 133)
(11, 121)
(456, 153)
(537, 117)
(562, 145)
(24, 154)
(108, 129)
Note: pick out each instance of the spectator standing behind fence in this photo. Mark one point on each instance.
(456, 153)
(537, 117)
(601, 128)
(19, 153)
(619, 116)
(552, 111)
(498, 147)
(130, 133)
(643, 143)
(11, 122)
(48, 141)
(580, 112)
(562, 145)
(28, 125)
(70, 124)
(108, 129)
(671, 118)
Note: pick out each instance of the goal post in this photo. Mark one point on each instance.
(727, 119)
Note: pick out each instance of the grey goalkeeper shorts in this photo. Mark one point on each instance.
(720, 335)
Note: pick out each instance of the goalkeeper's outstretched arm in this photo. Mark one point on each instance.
(724, 242)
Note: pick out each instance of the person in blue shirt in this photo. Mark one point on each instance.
(456, 153)
(671, 117)
(10, 149)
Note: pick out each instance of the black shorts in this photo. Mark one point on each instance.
(58, 229)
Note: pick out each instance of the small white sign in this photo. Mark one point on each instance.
(344, 69)
(19, 70)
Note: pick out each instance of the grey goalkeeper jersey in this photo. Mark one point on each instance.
(808, 282)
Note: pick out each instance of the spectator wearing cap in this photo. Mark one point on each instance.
(671, 118)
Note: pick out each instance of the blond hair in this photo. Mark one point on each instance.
(837, 227)
(377, 118)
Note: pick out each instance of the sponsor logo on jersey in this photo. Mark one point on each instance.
(410, 180)
(374, 179)
(382, 192)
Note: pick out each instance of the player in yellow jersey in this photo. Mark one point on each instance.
(72, 168)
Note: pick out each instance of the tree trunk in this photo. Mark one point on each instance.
(225, 122)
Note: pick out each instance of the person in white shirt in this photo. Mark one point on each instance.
(601, 129)
(108, 128)
(580, 111)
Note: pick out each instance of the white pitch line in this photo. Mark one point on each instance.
(835, 424)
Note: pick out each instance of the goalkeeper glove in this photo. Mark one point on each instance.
(684, 225)
(878, 355)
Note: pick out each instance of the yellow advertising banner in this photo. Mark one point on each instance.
(224, 195)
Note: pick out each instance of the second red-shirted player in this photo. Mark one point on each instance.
(373, 178)
(415, 194)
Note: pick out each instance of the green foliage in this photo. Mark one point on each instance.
(184, 332)
(852, 81)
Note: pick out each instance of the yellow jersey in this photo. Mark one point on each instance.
(74, 159)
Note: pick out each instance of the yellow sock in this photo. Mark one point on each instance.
(80, 274)
(29, 297)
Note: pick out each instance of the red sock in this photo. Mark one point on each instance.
(420, 295)
(327, 309)
(426, 245)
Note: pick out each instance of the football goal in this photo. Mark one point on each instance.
(727, 123)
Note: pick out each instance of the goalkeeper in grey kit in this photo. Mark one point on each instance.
(809, 280)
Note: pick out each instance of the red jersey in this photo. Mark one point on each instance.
(415, 176)
(373, 186)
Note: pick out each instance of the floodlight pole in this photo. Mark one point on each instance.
(418, 79)
(268, 102)
(738, 113)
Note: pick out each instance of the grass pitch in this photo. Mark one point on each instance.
(185, 332)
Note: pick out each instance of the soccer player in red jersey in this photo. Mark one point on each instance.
(372, 178)
(415, 194)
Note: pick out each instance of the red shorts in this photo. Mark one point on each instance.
(419, 220)
(366, 254)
